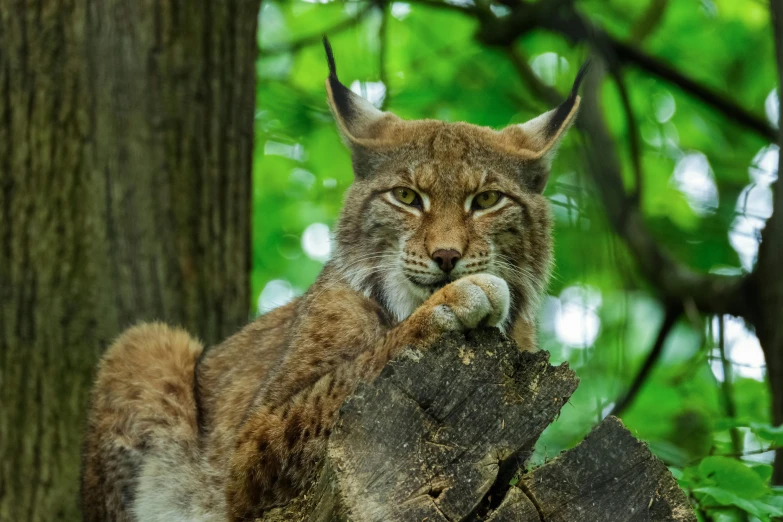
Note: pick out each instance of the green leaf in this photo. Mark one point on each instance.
(732, 515)
(731, 474)
(762, 470)
(773, 434)
(725, 497)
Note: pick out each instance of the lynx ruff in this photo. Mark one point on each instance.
(443, 229)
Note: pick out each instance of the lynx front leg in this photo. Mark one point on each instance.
(281, 443)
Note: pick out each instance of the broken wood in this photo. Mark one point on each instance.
(440, 435)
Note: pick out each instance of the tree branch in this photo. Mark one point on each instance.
(529, 78)
(731, 110)
(315, 39)
(710, 293)
(674, 282)
(670, 318)
(505, 31)
(648, 22)
(728, 396)
(726, 386)
(634, 139)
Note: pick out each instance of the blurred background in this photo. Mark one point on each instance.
(163, 162)
(706, 196)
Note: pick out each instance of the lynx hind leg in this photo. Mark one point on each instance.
(142, 399)
(470, 301)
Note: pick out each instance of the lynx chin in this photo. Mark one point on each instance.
(443, 229)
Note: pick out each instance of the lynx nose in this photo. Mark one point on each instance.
(446, 259)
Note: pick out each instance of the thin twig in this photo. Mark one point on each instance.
(730, 109)
(674, 282)
(726, 386)
(529, 78)
(634, 138)
(315, 39)
(728, 395)
(673, 313)
(649, 21)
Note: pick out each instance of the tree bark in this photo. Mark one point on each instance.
(766, 302)
(125, 155)
(439, 436)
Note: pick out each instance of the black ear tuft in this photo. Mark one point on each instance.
(330, 58)
(341, 95)
(581, 74)
(565, 108)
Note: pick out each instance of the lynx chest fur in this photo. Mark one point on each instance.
(444, 229)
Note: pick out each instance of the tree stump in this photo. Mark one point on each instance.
(440, 435)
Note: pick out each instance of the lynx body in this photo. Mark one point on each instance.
(444, 229)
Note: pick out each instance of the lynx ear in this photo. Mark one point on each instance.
(536, 141)
(360, 123)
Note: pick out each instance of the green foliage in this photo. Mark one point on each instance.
(731, 487)
(698, 200)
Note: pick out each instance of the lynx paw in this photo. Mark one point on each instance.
(470, 301)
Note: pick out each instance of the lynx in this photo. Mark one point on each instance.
(444, 229)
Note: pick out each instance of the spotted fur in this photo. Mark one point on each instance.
(179, 433)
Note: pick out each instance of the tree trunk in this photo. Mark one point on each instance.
(125, 154)
(439, 436)
(766, 299)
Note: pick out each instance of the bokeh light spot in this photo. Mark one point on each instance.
(548, 66)
(576, 319)
(665, 107)
(742, 348)
(374, 92)
(772, 107)
(400, 10)
(693, 177)
(316, 242)
(276, 292)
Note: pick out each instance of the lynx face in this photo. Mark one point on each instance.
(433, 202)
(438, 207)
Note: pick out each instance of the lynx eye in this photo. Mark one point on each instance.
(486, 199)
(407, 196)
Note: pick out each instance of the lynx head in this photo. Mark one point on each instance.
(434, 201)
